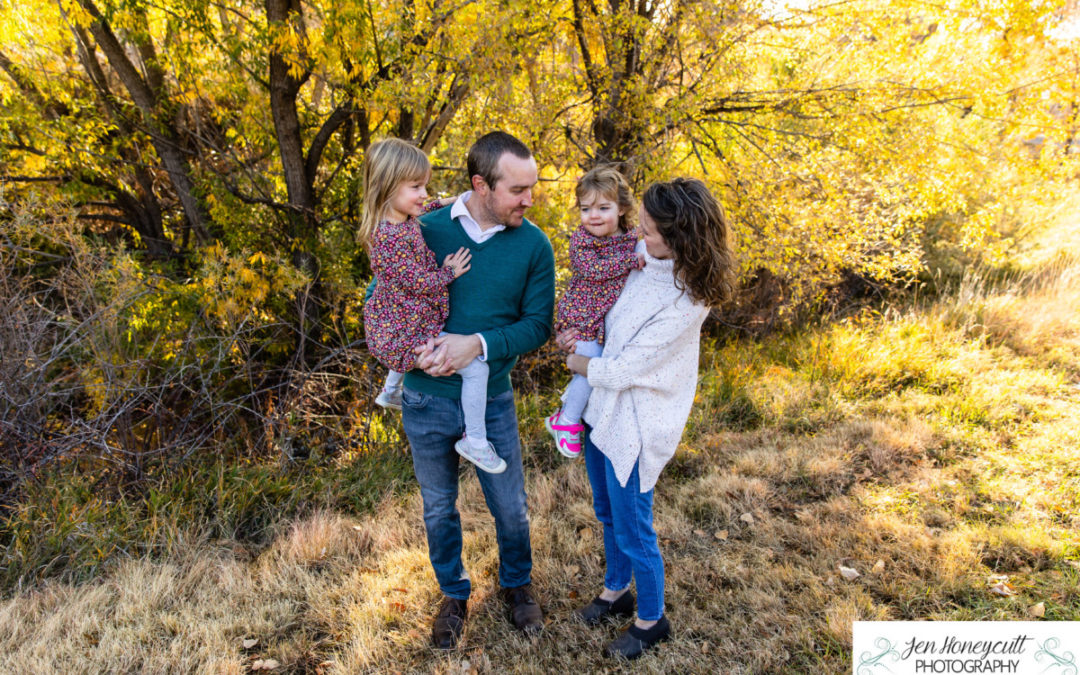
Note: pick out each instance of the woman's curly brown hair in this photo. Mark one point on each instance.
(694, 227)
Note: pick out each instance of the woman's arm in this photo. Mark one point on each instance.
(646, 350)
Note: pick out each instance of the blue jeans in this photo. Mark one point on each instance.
(630, 544)
(433, 424)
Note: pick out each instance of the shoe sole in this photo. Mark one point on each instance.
(478, 465)
(558, 446)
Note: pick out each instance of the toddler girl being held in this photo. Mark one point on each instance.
(601, 257)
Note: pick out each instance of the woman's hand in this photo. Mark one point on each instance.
(459, 261)
(567, 340)
(578, 364)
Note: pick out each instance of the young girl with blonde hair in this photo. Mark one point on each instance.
(409, 304)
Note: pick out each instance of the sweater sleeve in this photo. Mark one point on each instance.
(400, 258)
(533, 327)
(645, 350)
(433, 205)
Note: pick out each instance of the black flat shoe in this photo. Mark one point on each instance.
(449, 623)
(598, 610)
(635, 641)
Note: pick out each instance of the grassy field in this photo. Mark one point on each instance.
(934, 447)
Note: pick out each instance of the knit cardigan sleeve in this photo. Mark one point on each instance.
(634, 364)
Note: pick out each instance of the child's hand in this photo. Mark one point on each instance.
(447, 201)
(640, 261)
(459, 261)
(567, 340)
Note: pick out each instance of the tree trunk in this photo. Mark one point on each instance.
(163, 133)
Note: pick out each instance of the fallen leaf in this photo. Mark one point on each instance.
(270, 664)
(248, 644)
(747, 518)
(848, 573)
(358, 528)
(701, 533)
(402, 590)
(398, 607)
(572, 570)
(1003, 589)
(573, 595)
(878, 567)
(1037, 610)
(257, 665)
(465, 665)
(831, 581)
(584, 532)
(721, 535)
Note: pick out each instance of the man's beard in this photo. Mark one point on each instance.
(505, 220)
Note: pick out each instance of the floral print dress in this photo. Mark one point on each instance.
(410, 303)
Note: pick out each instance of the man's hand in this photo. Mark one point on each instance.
(460, 350)
(431, 360)
(567, 340)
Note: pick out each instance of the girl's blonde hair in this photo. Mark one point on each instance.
(607, 182)
(387, 164)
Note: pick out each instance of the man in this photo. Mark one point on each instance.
(499, 309)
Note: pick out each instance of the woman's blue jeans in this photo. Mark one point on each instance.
(630, 545)
(433, 424)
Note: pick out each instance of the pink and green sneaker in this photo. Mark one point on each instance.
(567, 436)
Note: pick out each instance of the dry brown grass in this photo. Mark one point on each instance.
(341, 596)
(926, 451)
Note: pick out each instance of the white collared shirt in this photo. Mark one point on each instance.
(472, 228)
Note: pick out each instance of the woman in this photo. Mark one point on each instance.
(643, 389)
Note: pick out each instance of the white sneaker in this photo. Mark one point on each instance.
(390, 399)
(484, 458)
(567, 436)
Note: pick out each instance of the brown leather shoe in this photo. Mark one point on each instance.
(449, 623)
(525, 613)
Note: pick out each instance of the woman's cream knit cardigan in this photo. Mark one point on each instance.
(643, 385)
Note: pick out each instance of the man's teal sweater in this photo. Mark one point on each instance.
(508, 296)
